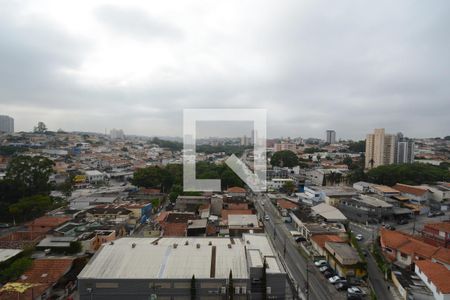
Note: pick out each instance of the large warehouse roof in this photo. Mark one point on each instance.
(175, 258)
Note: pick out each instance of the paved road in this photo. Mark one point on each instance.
(375, 276)
(296, 264)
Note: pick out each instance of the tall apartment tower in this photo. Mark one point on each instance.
(331, 137)
(405, 151)
(6, 124)
(380, 149)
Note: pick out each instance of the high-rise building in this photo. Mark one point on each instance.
(331, 137)
(404, 151)
(116, 134)
(6, 124)
(380, 149)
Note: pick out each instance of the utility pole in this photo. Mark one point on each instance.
(307, 281)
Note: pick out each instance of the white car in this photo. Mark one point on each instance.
(334, 279)
(323, 269)
(267, 218)
(320, 263)
(359, 237)
(355, 291)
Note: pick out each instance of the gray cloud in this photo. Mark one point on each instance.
(314, 65)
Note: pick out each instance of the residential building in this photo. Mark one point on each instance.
(144, 268)
(380, 149)
(284, 146)
(439, 196)
(40, 281)
(436, 278)
(345, 260)
(331, 137)
(46, 223)
(116, 134)
(94, 176)
(405, 152)
(437, 234)
(318, 242)
(6, 124)
(405, 250)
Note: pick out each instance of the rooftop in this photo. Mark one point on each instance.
(6, 254)
(410, 189)
(437, 273)
(236, 189)
(328, 212)
(441, 226)
(372, 201)
(177, 258)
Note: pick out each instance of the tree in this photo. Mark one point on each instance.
(230, 286)
(285, 158)
(348, 161)
(30, 174)
(193, 288)
(15, 269)
(311, 150)
(357, 147)
(416, 173)
(31, 207)
(289, 187)
(40, 128)
(149, 177)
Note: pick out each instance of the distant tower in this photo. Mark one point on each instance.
(331, 137)
(6, 124)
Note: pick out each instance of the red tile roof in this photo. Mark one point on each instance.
(43, 272)
(437, 273)
(321, 239)
(441, 226)
(175, 229)
(49, 221)
(410, 189)
(285, 204)
(233, 206)
(412, 246)
(236, 189)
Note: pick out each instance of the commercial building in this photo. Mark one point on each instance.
(344, 260)
(380, 149)
(169, 268)
(116, 134)
(6, 124)
(331, 136)
(365, 209)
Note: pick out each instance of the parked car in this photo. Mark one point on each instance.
(439, 213)
(334, 279)
(359, 237)
(328, 274)
(341, 285)
(300, 239)
(320, 263)
(323, 269)
(354, 290)
(267, 218)
(402, 222)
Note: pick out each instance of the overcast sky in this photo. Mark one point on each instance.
(314, 65)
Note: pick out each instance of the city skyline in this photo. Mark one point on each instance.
(87, 66)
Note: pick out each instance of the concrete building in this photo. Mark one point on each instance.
(331, 136)
(344, 260)
(365, 209)
(94, 176)
(6, 124)
(116, 134)
(380, 149)
(146, 268)
(284, 146)
(405, 152)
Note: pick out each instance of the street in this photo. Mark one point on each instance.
(301, 270)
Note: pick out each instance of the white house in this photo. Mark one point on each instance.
(436, 277)
(94, 176)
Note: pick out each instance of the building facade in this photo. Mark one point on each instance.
(380, 149)
(6, 124)
(331, 136)
(170, 268)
